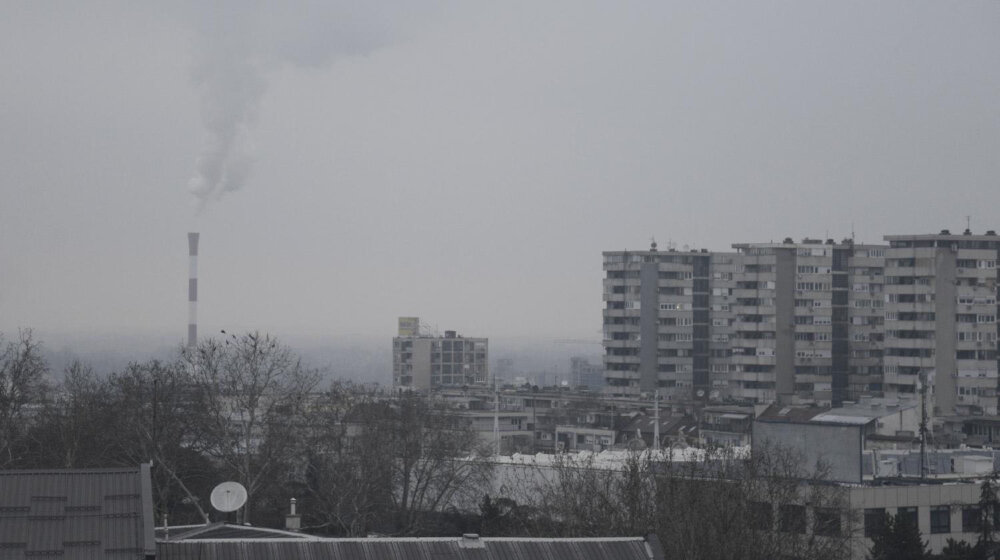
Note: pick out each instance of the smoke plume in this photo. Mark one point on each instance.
(240, 42)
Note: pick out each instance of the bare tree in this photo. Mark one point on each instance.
(348, 479)
(391, 464)
(22, 383)
(252, 391)
(718, 505)
(77, 427)
(159, 420)
(434, 460)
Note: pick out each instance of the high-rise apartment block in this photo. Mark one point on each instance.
(662, 328)
(816, 320)
(941, 319)
(422, 361)
(797, 309)
(770, 320)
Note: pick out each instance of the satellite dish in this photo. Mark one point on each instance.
(229, 496)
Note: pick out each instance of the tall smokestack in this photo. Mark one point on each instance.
(193, 290)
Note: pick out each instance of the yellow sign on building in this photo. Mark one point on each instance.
(409, 326)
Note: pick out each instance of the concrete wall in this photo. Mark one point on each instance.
(649, 297)
(836, 446)
(923, 497)
(784, 310)
(945, 368)
(421, 363)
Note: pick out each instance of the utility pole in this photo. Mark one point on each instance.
(656, 420)
(923, 424)
(496, 416)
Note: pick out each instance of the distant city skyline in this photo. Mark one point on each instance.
(466, 162)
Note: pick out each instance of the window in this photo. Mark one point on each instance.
(827, 522)
(940, 519)
(972, 519)
(874, 521)
(793, 519)
(907, 515)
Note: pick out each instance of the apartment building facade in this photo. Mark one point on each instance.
(424, 362)
(767, 321)
(822, 321)
(806, 316)
(660, 323)
(941, 319)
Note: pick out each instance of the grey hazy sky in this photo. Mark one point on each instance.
(466, 162)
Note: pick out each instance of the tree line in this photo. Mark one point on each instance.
(243, 408)
(364, 461)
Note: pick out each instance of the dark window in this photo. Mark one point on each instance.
(874, 521)
(761, 516)
(826, 522)
(907, 515)
(972, 519)
(940, 519)
(793, 519)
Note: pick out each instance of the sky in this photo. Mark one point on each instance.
(465, 162)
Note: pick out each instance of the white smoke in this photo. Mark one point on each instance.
(240, 41)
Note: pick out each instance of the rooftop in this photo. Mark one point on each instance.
(76, 513)
(467, 547)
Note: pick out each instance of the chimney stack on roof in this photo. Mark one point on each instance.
(293, 521)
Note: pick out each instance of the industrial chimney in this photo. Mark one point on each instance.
(193, 290)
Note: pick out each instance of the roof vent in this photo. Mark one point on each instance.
(967, 232)
(788, 241)
(471, 540)
(991, 232)
(945, 232)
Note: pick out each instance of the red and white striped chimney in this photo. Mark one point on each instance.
(193, 289)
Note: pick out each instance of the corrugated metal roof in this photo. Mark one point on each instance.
(458, 548)
(76, 514)
(221, 530)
